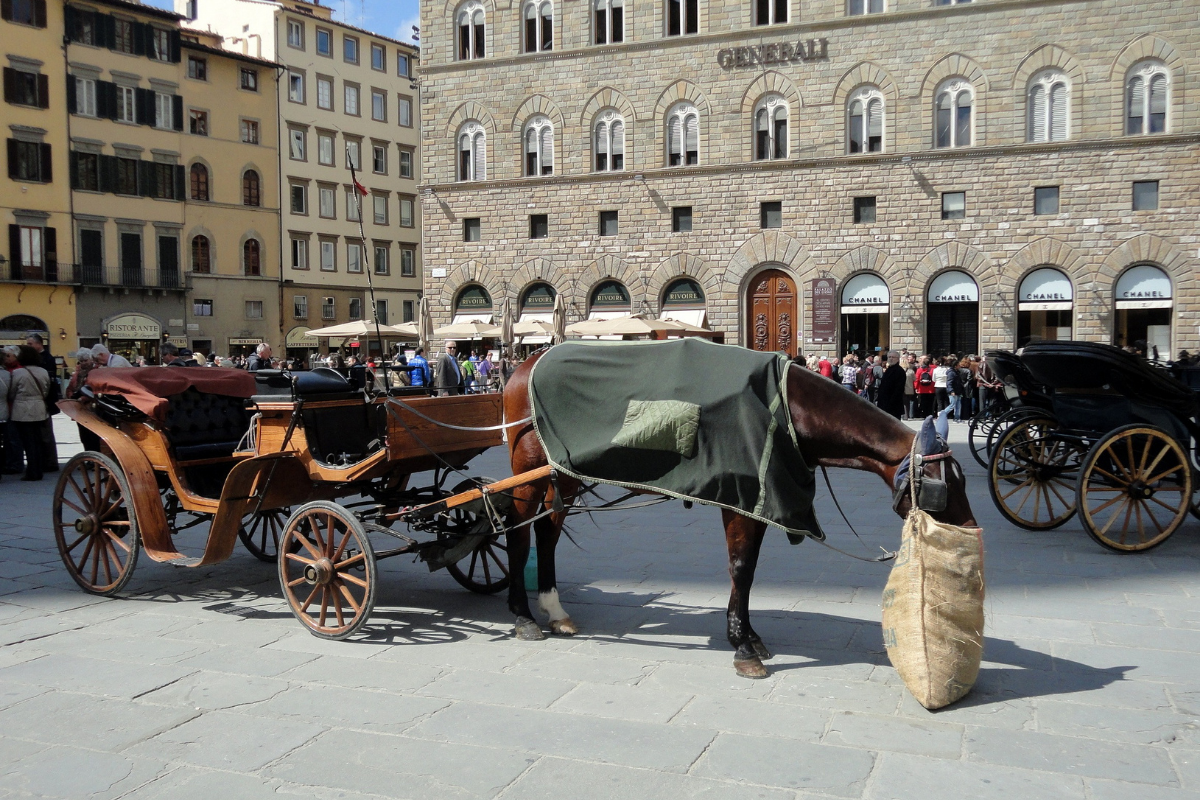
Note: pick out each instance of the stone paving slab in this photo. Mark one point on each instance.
(199, 684)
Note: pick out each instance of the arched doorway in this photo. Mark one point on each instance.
(15, 328)
(952, 314)
(473, 304)
(1144, 301)
(609, 299)
(865, 305)
(1045, 300)
(772, 317)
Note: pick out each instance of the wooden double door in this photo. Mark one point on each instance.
(772, 313)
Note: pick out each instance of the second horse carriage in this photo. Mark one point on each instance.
(1109, 437)
(260, 456)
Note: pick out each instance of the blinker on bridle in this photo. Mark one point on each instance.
(933, 494)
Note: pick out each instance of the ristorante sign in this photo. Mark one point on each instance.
(775, 53)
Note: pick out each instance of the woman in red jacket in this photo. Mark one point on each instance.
(923, 384)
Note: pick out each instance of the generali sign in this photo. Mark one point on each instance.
(774, 53)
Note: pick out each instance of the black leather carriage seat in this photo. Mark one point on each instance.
(201, 425)
(342, 434)
(323, 383)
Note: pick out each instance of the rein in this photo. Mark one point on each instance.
(888, 555)
(411, 410)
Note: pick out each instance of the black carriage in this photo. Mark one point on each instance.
(1021, 396)
(1115, 442)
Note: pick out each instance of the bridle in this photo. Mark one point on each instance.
(932, 494)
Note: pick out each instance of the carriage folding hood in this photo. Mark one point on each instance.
(685, 418)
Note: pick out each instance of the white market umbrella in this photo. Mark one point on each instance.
(466, 330)
(688, 328)
(627, 325)
(536, 327)
(360, 327)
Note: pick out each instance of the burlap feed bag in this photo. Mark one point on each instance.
(933, 608)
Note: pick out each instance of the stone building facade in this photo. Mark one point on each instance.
(969, 176)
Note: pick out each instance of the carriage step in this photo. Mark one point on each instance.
(186, 561)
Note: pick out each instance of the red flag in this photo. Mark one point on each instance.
(361, 189)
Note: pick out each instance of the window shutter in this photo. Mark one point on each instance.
(480, 158)
(179, 182)
(71, 86)
(1137, 99)
(10, 79)
(1158, 94)
(71, 23)
(177, 111)
(14, 247)
(693, 133)
(1037, 114)
(108, 173)
(50, 243)
(1058, 112)
(875, 118)
(547, 137)
(12, 158)
(618, 138)
(140, 31)
(46, 169)
(674, 136)
(601, 140)
(6, 9)
(110, 98)
(43, 84)
(175, 46)
(145, 179)
(73, 166)
(143, 114)
(39, 13)
(108, 25)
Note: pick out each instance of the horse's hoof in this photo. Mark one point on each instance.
(750, 668)
(761, 651)
(528, 631)
(563, 627)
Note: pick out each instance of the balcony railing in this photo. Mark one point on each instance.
(92, 275)
(40, 273)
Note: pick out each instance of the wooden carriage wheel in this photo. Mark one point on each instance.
(1003, 423)
(485, 570)
(1032, 472)
(327, 570)
(1135, 488)
(95, 526)
(261, 532)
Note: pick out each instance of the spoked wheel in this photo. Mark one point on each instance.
(327, 570)
(94, 524)
(1135, 488)
(485, 570)
(978, 435)
(261, 532)
(1032, 473)
(1003, 423)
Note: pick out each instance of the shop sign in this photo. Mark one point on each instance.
(298, 337)
(178, 341)
(865, 294)
(538, 296)
(133, 326)
(953, 287)
(824, 317)
(245, 340)
(774, 53)
(1045, 290)
(684, 292)
(474, 298)
(610, 294)
(1143, 286)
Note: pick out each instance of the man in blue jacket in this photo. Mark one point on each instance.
(418, 368)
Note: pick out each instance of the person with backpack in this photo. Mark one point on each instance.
(923, 384)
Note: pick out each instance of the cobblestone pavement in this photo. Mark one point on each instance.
(199, 684)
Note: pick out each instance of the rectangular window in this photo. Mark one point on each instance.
(350, 49)
(300, 306)
(404, 111)
(297, 144)
(127, 176)
(379, 204)
(539, 226)
(325, 93)
(1045, 200)
(864, 210)
(352, 205)
(1145, 195)
(29, 161)
(202, 308)
(299, 253)
(328, 308)
(406, 307)
(26, 12)
(471, 230)
(295, 33)
(325, 149)
(248, 79)
(408, 263)
(379, 159)
(608, 223)
(164, 111)
(381, 261)
(681, 219)
(299, 194)
(350, 103)
(249, 131)
(353, 150)
(858, 7)
(21, 88)
(122, 35)
(770, 214)
(32, 251)
(378, 105)
(378, 58)
(198, 122)
(954, 205)
(327, 202)
(328, 258)
(295, 87)
(87, 172)
(406, 212)
(406, 163)
(85, 97)
(164, 182)
(160, 44)
(126, 107)
(353, 257)
(355, 308)
(324, 42)
(254, 309)
(381, 311)
(402, 68)
(197, 68)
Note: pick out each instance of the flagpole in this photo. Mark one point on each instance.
(359, 194)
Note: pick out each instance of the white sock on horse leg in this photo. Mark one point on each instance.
(548, 603)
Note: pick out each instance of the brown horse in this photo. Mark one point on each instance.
(834, 427)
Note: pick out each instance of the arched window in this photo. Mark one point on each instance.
(1146, 98)
(1049, 107)
(199, 182)
(609, 21)
(609, 141)
(864, 122)
(250, 189)
(683, 135)
(539, 146)
(538, 25)
(771, 128)
(250, 258)
(201, 255)
(472, 152)
(953, 121)
(769, 12)
(471, 30)
(683, 16)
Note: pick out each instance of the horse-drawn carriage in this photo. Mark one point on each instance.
(1111, 437)
(239, 451)
(1020, 396)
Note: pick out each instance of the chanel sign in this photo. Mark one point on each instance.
(777, 53)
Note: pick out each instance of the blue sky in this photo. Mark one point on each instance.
(393, 18)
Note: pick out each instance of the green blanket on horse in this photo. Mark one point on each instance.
(685, 418)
